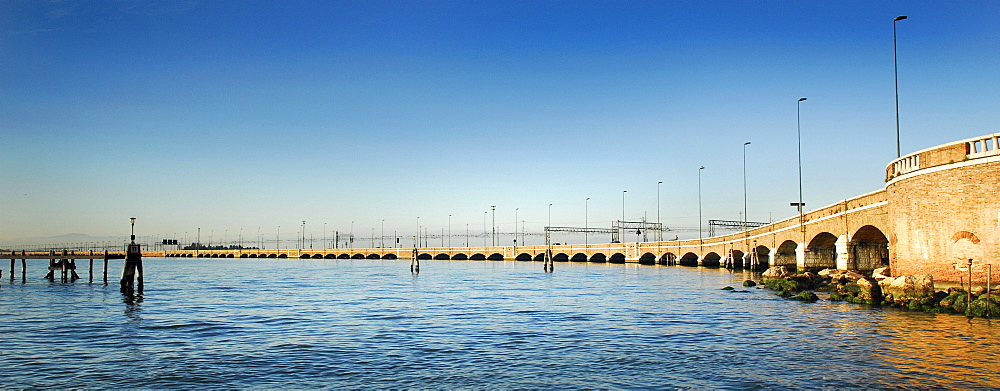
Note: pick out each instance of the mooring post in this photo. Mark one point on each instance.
(24, 267)
(12, 254)
(105, 267)
(64, 265)
(415, 262)
(52, 266)
(133, 264)
(91, 266)
(968, 302)
(989, 278)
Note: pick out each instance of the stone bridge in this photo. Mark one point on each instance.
(939, 208)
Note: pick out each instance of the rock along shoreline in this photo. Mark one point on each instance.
(914, 292)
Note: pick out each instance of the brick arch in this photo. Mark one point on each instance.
(822, 251)
(869, 249)
(688, 259)
(711, 260)
(965, 235)
(785, 254)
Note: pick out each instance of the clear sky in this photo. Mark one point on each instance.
(243, 114)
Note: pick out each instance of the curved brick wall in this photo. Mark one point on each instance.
(944, 208)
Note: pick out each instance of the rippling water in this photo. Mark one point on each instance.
(467, 324)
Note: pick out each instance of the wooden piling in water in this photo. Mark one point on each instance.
(105, 267)
(91, 270)
(24, 268)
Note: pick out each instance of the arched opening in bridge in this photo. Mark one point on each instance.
(389, 256)
(735, 260)
(317, 256)
(647, 259)
(253, 255)
(495, 257)
(272, 255)
(689, 259)
(442, 257)
(668, 259)
(358, 256)
(599, 258)
(477, 257)
(869, 249)
(785, 255)
(230, 256)
(617, 258)
(373, 256)
(540, 257)
(330, 256)
(305, 256)
(760, 258)
(460, 257)
(524, 257)
(561, 257)
(424, 256)
(215, 255)
(343, 256)
(822, 251)
(282, 255)
(579, 257)
(711, 260)
(244, 256)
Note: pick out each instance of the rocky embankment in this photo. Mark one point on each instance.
(881, 289)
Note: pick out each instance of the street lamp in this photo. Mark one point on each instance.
(416, 238)
(449, 230)
(586, 225)
(494, 227)
(660, 226)
(325, 244)
(745, 189)
(798, 127)
(485, 232)
(700, 237)
(895, 75)
(303, 234)
(515, 227)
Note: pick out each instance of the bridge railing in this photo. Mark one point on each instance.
(962, 150)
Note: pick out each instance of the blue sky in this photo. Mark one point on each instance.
(229, 115)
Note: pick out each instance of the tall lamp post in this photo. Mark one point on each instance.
(381, 239)
(515, 227)
(449, 230)
(745, 233)
(895, 75)
(700, 237)
(800, 205)
(659, 235)
(586, 225)
(494, 225)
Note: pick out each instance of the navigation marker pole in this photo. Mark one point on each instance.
(133, 266)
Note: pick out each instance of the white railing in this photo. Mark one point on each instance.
(983, 147)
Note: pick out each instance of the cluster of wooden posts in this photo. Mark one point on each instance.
(64, 263)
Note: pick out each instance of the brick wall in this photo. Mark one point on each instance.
(939, 218)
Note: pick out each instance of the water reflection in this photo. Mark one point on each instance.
(133, 306)
(941, 349)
